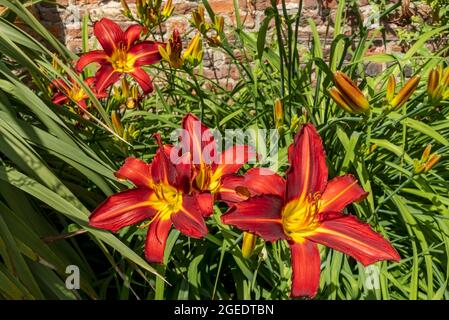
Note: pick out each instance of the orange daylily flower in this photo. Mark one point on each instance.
(121, 54)
(163, 194)
(209, 166)
(305, 209)
(74, 92)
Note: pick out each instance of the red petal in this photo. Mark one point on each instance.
(82, 104)
(260, 215)
(305, 269)
(109, 35)
(340, 192)
(232, 159)
(257, 181)
(196, 138)
(308, 172)
(123, 209)
(206, 203)
(60, 84)
(98, 56)
(146, 53)
(162, 169)
(136, 171)
(156, 239)
(347, 234)
(143, 79)
(105, 77)
(189, 220)
(132, 34)
(59, 98)
(183, 167)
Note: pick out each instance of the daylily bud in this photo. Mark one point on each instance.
(278, 114)
(131, 132)
(405, 93)
(140, 9)
(391, 88)
(427, 160)
(125, 8)
(445, 78)
(445, 95)
(426, 153)
(135, 93)
(116, 93)
(248, 244)
(125, 88)
(168, 9)
(219, 24)
(198, 19)
(218, 27)
(116, 123)
(354, 100)
(418, 166)
(433, 160)
(194, 52)
(134, 98)
(294, 125)
(338, 98)
(433, 84)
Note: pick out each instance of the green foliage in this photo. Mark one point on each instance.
(57, 165)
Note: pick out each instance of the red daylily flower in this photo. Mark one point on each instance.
(162, 194)
(74, 92)
(121, 54)
(210, 166)
(306, 210)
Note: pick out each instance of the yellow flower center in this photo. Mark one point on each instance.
(166, 199)
(207, 180)
(122, 61)
(76, 93)
(300, 218)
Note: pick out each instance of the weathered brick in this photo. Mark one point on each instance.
(64, 17)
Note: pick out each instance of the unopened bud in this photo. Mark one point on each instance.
(248, 244)
(405, 92)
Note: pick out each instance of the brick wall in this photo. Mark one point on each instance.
(64, 20)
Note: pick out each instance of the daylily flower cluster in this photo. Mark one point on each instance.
(304, 208)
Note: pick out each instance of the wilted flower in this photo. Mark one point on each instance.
(347, 95)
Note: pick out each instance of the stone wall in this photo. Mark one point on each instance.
(65, 17)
